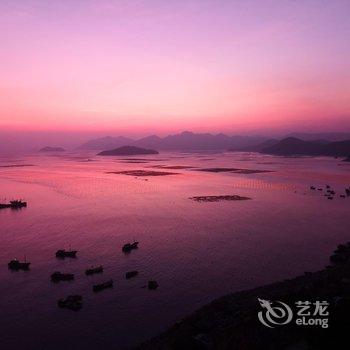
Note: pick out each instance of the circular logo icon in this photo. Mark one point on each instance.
(273, 315)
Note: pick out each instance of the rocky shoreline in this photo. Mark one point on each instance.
(231, 322)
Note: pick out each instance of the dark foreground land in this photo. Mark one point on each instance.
(231, 322)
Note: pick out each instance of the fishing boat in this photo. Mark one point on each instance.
(131, 274)
(93, 270)
(59, 276)
(72, 302)
(102, 286)
(61, 253)
(128, 247)
(152, 285)
(17, 265)
(15, 204)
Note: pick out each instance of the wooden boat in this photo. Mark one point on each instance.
(102, 286)
(66, 253)
(152, 284)
(131, 274)
(72, 302)
(15, 204)
(17, 265)
(128, 247)
(59, 276)
(93, 270)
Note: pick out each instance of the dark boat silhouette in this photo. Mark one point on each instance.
(61, 253)
(312, 188)
(152, 285)
(128, 247)
(93, 270)
(131, 274)
(15, 204)
(72, 302)
(102, 286)
(59, 276)
(17, 265)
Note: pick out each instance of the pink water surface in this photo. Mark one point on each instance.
(196, 251)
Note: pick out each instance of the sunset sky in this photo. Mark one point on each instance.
(140, 66)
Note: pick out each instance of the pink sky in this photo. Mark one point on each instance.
(162, 66)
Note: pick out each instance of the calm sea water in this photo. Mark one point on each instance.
(196, 251)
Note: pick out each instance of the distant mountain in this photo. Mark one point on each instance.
(259, 147)
(185, 141)
(295, 146)
(320, 138)
(330, 136)
(52, 149)
(341, 148)
(107, 142)
(127, 151)
(152, 141)
(193, 141)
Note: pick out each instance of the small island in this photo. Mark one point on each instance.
(52, 149)
(127, 151)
